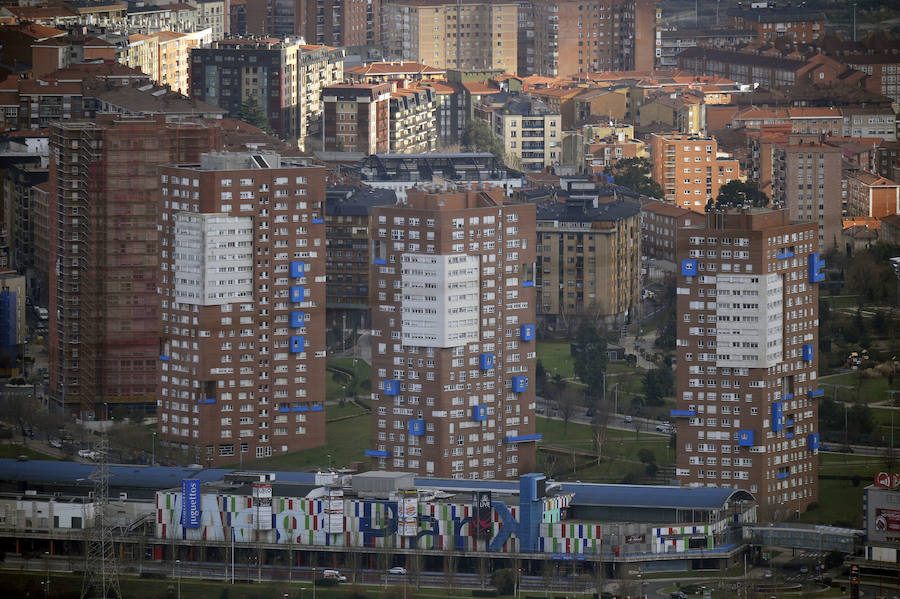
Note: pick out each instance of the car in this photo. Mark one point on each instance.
(767, 574)
(804, 570)
(87, 454)
(334, 575)
(399, 570)
(628, 419)
(678, 595)
(54, 442)
(665, 427)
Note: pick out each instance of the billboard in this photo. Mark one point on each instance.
(334, 510)
(408, 513)
(887, 521)
(481, 514)
(887, 480)
(262, 500)
(190, 503)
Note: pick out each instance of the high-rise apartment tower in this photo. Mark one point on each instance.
(242, 339)
(104, 256)
(747, 339)
(453, 340)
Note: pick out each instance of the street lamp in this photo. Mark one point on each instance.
(153, 450)
(178, 564)
(47, 564)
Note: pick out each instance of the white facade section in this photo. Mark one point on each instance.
(213, 258)
(441, 303)
(749, 318)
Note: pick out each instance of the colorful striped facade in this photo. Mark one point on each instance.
(374, 523)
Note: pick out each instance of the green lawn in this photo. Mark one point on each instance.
(871, 389)
(335, 380)
(23, 584)
(840, 502)
(14, 451)
(345, 442)
(556, 358)
(619, 452)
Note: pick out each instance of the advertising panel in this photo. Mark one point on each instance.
(887, 521)
(481, 514)
(262, 500)
(190, 503)
(408, 517)
(334, 511)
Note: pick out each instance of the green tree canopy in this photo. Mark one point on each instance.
(658, 383)
(251, 113)
(740, 193)
(634, 173)
(589, 353)
(478, 137)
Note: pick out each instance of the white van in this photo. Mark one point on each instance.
(333, 574)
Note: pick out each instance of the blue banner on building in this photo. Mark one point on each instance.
(190, 503)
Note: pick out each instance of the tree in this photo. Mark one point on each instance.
(567, 399)
(478, 137)
(589, 353)
(504, 581)
(634, 173)
(251, 113)
(658, 383)
(740, 193)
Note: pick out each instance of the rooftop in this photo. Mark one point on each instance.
(165, 477)
(349, 200)
(394, 68)
(742, 58)
(586, 210)
(871, 179)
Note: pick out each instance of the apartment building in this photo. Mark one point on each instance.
(747, 343)
(348, 214)
(660, 222)
(690, 169)
(344, 23)
(871, 195)
(285, 78)
(749, 67)
(798, 24)
(241, 324)
(572, 36)
(104, 246)
(525, 39)
(887, 157)
(457, 34)
(588, 258)
(529, 130)
(673, 42)
(357, 117)
(806, 182)
(882, 68)
(870, 121)
(412, 125)
(453, 335)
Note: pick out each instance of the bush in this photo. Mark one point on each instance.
(356, 593)
(484, 593)
(504, 581)
(833, 559)
(646, 455)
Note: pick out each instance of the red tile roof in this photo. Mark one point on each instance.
(479, 88)
(394, 68)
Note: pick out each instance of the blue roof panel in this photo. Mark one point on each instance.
(166, 477)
